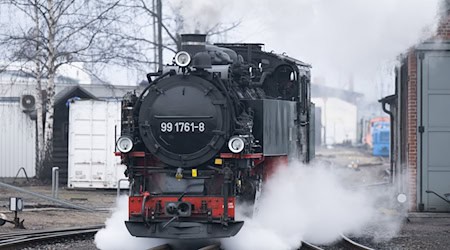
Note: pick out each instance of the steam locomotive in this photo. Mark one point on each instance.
(207, 132)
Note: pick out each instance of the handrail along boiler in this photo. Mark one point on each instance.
(206, 132)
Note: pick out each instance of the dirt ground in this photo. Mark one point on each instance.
(43, 214)
(355, 165)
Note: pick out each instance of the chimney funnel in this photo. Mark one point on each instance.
(193, 43)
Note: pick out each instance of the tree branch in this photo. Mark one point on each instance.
(87, 23)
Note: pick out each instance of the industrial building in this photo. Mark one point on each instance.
(419, 108)
(18, 144)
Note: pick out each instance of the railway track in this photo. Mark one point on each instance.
(344, 243)
(169, 247)
(349, 244)
(15, 240)
(309, 246)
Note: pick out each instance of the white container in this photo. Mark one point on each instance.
(93, 126)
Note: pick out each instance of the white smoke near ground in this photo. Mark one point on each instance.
(307, 203)
(115, 235)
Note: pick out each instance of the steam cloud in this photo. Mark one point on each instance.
(342, 39)
(306, 203)
(115, 235)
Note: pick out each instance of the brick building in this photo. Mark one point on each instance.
(420, 115)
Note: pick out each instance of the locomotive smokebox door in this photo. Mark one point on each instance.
(184, 120)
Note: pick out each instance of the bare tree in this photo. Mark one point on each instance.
(96, 33)
(59, 32)
(170, 26)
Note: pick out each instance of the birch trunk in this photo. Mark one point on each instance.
(40, 101)
(39, 124)
(48, 129)
(48, 136)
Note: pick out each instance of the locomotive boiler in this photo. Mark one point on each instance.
(206, 133)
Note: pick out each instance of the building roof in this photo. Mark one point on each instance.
(107, 92)
(70, 92)
(97, 91)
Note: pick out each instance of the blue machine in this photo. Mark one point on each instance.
(381, 137)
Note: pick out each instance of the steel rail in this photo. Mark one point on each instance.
(305, 246)
(347, 243)
(169, 247)
(161, 247)
(309, 246)
(43, 231)
(8, 240)
(211, 247)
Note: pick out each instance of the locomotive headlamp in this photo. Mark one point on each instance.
(236, 144)
(124, 144)
(182, 59)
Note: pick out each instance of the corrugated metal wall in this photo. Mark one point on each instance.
(17, 141)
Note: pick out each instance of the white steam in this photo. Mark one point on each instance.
(342, 39)
(115, 235)
(200, 16)
(305, 203)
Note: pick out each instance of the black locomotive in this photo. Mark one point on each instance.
(207, 131)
